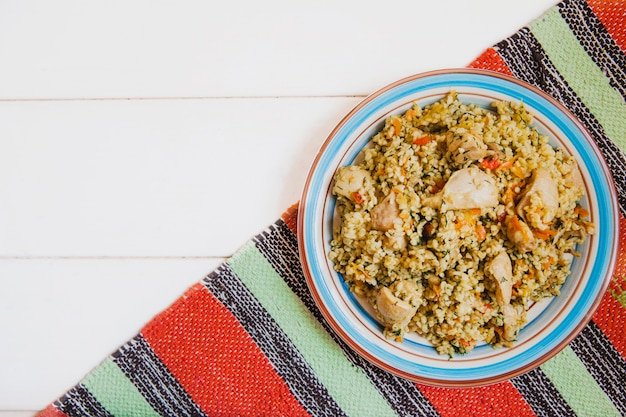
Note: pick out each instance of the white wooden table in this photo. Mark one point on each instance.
(143, 142)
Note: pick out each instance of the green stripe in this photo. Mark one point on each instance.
(347, 384)
(577, 386)
(582, 74)
(115, 392)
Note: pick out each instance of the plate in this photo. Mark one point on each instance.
(552, 323)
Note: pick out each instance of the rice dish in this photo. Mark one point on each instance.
(455, 219)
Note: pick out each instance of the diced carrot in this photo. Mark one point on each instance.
(467, 343)
(481, 232)
(490, 162)
(422, 141)
(581, 211)
(357, 197)
(544, 234)
(397, 126)
(410, 113)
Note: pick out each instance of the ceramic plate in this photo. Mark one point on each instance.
(551, 323)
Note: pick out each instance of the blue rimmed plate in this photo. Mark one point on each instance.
(552, 324)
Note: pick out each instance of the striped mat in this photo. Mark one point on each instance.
(248, 339)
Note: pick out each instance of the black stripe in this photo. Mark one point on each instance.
(280, 247)
(274, 343)
(596, 41)
(524, 56)
(79, 402)
(155, 383)
(604, 363)
(541, 395)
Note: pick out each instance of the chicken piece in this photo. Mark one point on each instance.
(395, 241)
(511, 323)
(543, 186)
(501, 271)
(398, 304)
(351, 181)
(385, 213)
(574, 179)
(496, 151)
(467, 148)
(520, 234)
(467, 188)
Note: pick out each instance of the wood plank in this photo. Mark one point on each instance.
(153, 177)
(195, 48)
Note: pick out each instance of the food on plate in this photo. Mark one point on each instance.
(455, 219)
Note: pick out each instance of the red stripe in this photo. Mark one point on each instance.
(501, 399)
(208, 351)
(490, 60)
(290, 217)
(611, 315)
(51, 411)
(612, 14)
(610, 318)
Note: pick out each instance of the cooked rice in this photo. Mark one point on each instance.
(397, 233)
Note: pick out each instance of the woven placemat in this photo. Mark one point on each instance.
(248, 339)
